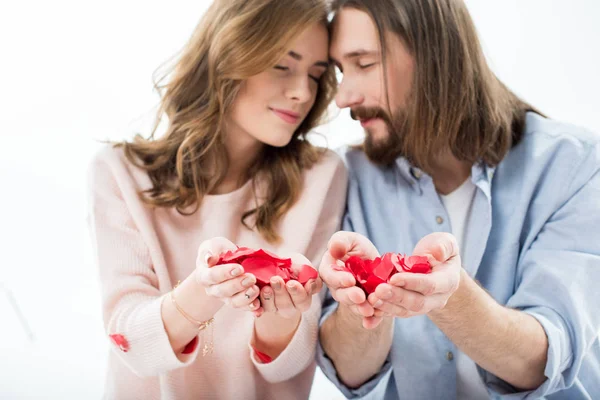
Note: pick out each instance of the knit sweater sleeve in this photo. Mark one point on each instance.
(131, 296)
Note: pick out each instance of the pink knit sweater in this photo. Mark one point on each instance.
(141, 254)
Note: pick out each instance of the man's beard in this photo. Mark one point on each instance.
(384, 151)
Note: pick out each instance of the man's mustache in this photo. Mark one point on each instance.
(362, 113)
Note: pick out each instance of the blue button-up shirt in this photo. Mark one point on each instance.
(533, 242)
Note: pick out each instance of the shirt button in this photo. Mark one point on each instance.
(416, 173)
(439, 220)
(449, 356)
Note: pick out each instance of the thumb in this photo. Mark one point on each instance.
(440, 245)
(339, 245)
(210, 251)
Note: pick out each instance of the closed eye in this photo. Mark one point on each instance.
(281, 67)
(366, 66)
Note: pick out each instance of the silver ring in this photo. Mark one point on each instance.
(247, 296)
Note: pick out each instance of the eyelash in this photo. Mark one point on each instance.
(366, 66)
(282, 68)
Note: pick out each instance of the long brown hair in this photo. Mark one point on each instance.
(456, 102)
(234, 40)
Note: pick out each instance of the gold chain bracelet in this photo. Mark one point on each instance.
(208, 345)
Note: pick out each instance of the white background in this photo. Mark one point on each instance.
(75, 72)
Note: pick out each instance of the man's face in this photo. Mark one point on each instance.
(356, 51)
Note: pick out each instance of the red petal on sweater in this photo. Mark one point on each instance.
(191, 346)
(264, 358)
(120, 341)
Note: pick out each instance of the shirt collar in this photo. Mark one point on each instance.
(481, 175)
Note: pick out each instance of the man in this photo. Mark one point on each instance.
(505, 202)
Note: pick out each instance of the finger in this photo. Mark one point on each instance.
(445, 278)
(415, 303)
(365, 309)
(283, 302)
(345, 244)
(218, 274)
(255, 305)
(301, 299)
(395, 310)
(350, 296)
(412, 301)
(440, 245)
(258, 313)
(209, 251)
(371, 322)
(267, 299)
(244, 299)
(313, 286)
(379, 313)
(231, 287)
(335, 279)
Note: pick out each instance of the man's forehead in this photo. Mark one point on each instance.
(354, 32)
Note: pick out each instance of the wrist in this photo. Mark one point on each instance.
(191, 296)
(344, 313)
(273, 333)
(457, 300)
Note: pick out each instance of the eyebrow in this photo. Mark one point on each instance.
(298, 57)
(356, 54)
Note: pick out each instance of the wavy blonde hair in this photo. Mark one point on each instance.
(235, 40)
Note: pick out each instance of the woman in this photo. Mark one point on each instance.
(233, 168)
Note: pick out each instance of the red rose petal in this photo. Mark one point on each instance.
(356, 265)
(398, 261)
(263, 264)
(264, 358)
(268, 255)
(371, 273)
(261, 268)
(120, 341)
(371, 284)
(233, 256)
(191, 346)
(385, 267)
(307, 273)
(417, 264)
(284, 273)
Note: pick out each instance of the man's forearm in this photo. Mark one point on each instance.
(348, 344)
(508, 343)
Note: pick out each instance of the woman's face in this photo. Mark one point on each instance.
(270, 106)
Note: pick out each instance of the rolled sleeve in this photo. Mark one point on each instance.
(299, 353)
(557, 285)
(150, 352)
(375, 388)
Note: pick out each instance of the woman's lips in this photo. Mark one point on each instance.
(288, 116)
